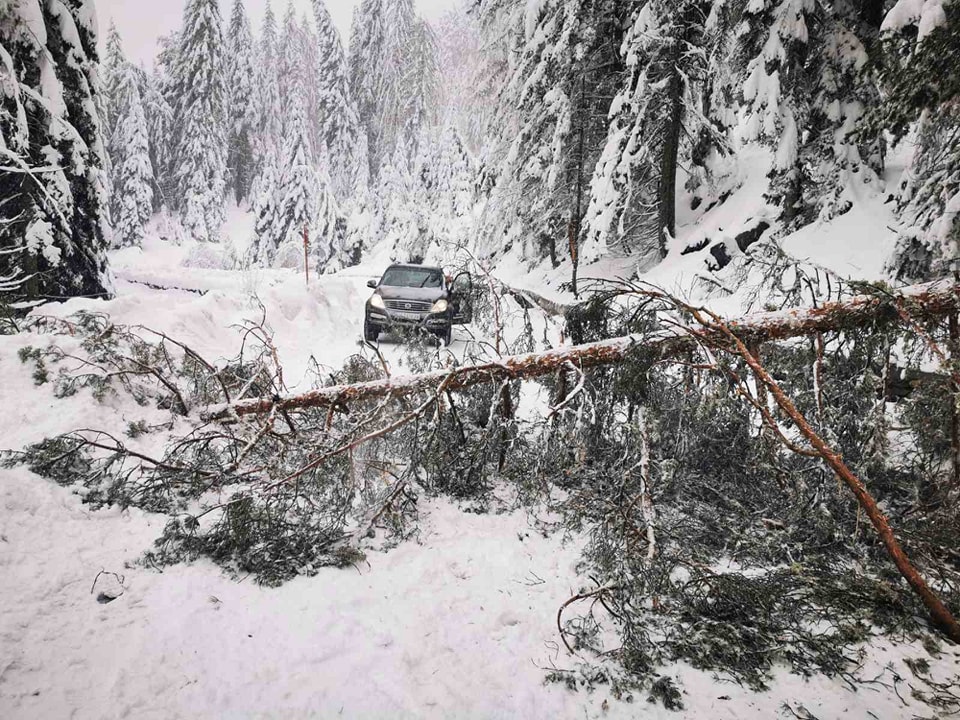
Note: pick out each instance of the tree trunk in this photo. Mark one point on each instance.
(932, 300)
(939, 613)
(954, 322)
(669, 155)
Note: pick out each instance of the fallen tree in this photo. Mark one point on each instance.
(919, 302)
(910, 306)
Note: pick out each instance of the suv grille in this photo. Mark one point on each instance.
(409, 305)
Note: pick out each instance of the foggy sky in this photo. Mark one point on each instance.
(141, 22)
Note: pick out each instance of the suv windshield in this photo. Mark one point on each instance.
(412, 277)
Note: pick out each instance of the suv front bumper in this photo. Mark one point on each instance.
(390, 320)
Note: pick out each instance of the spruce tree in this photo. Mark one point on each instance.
(241, 112)
(159, 118)
(921, 93)
(112, 76)
(805, 89)
(201, 128)
(337, 115)
(289, 210)
(53, 201)
(393, 77)
(634, 187)
(269, 112)
(562, 59)
(133, 173)
(329, 251)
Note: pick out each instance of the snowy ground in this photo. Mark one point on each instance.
(457, 624)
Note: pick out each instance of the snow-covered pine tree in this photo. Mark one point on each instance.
(393, 76)
(241, 112)
(420, 82)
(201, 128)
(290, 68)
(291, 207)
(269, 113)
(133, 172)
(465, 104)
(337, 115)
(112, 75)
(806, 87)
(400, 221)
(328, 249)
(634, 188)
(53, 204)
(551, 121)
(159, 118)
(442, 188)
(310, 61)
(922, 106)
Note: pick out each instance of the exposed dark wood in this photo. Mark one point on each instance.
(670, 153)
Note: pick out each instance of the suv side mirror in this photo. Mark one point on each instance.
(462, 284)
(372, 284)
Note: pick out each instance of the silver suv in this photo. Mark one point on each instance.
(417, 297)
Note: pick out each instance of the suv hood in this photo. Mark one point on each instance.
(388, 292)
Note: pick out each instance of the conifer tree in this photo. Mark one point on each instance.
(241, 112)
(285, 213)
(111, 77)
(562, 58)
(634, 188)
(269, 112)
(329, 251)
(291, 72)
(133, 181)
(805, 89)
(922, 92)
(53, 203)
(393, 76)
(337, 115)
(201, 133)
(159, 119)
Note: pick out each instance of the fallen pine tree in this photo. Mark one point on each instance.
(286, 484)
(921, 302)
(912, 306)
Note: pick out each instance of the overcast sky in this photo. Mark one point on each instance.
(141, 22)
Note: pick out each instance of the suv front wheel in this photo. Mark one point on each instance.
(371, 333)
(446, 335)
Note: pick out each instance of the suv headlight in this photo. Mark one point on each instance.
(377, 302)
(440, 306)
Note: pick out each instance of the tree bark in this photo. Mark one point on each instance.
(954, 323)
(932, 300)
(939, 613)
(669, 155)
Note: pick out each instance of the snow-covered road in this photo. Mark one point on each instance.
(458, 623)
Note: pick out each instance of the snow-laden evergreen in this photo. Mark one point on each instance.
(393, 77)
(269, 113)
(198, 87)
(634, 187)
(337, 117)
(54, 228)
(112, 72)
(132, 185)
(551, 120)
(921, 109)
(241, 112)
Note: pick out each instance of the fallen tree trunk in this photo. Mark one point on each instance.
(924, 302)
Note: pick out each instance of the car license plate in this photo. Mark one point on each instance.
(406, 316)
